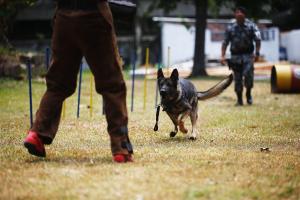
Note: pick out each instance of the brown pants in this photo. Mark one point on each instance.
(89, 34)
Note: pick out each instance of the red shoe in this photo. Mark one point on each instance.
(121, 158)
(34, 144)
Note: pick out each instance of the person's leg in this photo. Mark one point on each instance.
(236, 63)
(61, 79)
(248, 81)
(238, 86)
(100, 50)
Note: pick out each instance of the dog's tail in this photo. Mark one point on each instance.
(216, 90)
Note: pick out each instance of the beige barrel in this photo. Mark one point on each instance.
(285, 79)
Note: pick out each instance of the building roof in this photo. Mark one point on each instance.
(192, 20)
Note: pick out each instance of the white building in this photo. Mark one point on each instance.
(291, 42)
(178, 38)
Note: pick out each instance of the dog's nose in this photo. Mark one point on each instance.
(163, 93)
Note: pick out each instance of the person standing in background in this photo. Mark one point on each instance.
(242, 35)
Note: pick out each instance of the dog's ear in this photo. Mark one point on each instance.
(174, 76)
(160, 74)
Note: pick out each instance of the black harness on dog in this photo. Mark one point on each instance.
(157, 115)
(180, 103)
(168, 105)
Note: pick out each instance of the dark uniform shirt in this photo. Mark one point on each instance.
(242, 37)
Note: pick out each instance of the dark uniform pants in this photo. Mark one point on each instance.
(90, 34)
(243, 71)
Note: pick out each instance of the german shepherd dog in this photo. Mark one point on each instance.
(179, 98)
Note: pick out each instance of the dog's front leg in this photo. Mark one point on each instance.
(194, 117)
(181, 122)
(174, 119)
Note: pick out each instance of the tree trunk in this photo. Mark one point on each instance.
(199, 53)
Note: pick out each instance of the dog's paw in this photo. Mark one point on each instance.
(192, 138)
(155, 128)
(172, 134)
(183, 130)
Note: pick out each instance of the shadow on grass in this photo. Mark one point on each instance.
(181, 139)
(88, 161)
(174, 139)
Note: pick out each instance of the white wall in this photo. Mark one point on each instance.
(270, 48)
(213, 48)
(181, 41)
(291, 41)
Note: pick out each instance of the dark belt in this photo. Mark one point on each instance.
(241, 53)
(78, 4)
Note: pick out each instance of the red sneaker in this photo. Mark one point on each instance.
(34, 144)
(121, 158)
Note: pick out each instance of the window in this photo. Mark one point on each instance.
(267, 35)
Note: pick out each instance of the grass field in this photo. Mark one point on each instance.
(225, 162)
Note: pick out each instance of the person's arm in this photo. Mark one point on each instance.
(257, 49)
(223, 51)
(224, 47)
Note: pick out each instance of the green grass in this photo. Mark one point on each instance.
(225, 162)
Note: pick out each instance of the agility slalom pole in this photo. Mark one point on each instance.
(47, 58)
(91, 95)
(64, 109)
(29, 75)
(79, 90)
(169, 58)
(103, 106)
(133, 79)
(145, 78)
(156, 90)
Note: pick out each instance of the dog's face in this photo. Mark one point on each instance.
(168, 87)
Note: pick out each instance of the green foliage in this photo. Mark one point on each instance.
(166, 5)
(9, 8)
(8, 12)
(6, 51)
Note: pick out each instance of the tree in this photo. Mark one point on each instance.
(199, 52)
(286, 14)
(200, 26)
(8, 12)
(256, 9)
